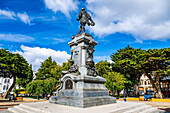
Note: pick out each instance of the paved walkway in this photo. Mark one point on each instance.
(161, 105)
(5, 103)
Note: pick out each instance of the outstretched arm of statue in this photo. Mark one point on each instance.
(80, 15)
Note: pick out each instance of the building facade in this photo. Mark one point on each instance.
(144, 85)
(5, 84)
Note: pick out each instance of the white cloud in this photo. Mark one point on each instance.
(36, 55)
(12, 15)
(24, 18)
(59, 40)
(16, 38)
(144, 19)
(7, 14)
(65, 6)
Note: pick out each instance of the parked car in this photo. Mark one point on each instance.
(151, 93)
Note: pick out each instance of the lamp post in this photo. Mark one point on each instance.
(43, 87)
(111, 79)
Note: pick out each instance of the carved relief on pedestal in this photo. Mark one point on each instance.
(90, 51)
(68, 84)
(91, 69)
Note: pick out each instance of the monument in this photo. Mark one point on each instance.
(81, 86)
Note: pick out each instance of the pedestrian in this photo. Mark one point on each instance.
(37, 96)
(45, 96)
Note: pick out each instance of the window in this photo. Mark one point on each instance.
(7, 87)
(5, 81)
(4, 87)
(8, 80)
(145, 82)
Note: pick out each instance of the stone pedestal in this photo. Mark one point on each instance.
(86, 88)
(84, 91)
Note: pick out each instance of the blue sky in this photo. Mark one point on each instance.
(37, 29)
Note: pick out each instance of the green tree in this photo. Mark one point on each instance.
(134, 62)
(155, 64)
(13, 66)
(103, 67)
(114, 80)
(50, 68)
(127, 62)
(65, 66)
(22, 82)
(36, 86)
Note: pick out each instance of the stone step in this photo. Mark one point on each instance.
(139, 109)
(25, 109)
(119, 107)
(151, 110)
(130, 106)
(30, 109)
(16, 110)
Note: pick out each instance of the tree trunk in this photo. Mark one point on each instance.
(152, 82)
(127, 93)
(12, 86)
(135, 90)
(159, 93)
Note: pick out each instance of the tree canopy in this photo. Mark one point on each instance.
(135, 62)
(103, 67)
(116, 79)
(14, 66)
(50, 69)
(37, 86)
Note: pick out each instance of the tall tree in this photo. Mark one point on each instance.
(13, 66)
(37, 86)
(50, 68)
(133, 62)
(103, 67)
(127, 63)
(22, 82)
(114, 81)
(65, 66)
(156, 65)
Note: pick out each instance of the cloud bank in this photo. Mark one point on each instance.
(36, 55)
(64, 6)
(144, 19)
(16, 38)
(23, 17)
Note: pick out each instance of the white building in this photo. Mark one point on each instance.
(145, 85)
(5, 84)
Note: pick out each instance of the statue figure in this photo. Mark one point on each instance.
(84, 18)
(91, 69)
(90, 51)
(73, 68)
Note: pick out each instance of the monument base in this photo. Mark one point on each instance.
(119, 107)
(94, 98)
(87, 91)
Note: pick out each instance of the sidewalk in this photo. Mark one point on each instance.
(153, 99)
(163, 104)
(5, 103)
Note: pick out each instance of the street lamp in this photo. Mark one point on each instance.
(43, 86)
(111, 79)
